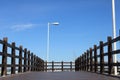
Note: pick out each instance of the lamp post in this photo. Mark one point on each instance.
(114, 34)
(48, 38)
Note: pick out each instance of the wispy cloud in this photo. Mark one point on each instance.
(21, 27)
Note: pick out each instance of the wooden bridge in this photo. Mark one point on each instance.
(96, 63)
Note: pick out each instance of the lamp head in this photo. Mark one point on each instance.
(55, 23)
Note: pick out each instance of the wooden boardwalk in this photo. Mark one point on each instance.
(31, 67)
(58, 76)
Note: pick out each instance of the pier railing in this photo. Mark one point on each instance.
(17, 60)
(99, 58)
(59, 66)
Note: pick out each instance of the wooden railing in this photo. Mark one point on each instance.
(97, 60)
(24, 61)
(59, 66)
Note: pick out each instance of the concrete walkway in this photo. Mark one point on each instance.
(58, 76)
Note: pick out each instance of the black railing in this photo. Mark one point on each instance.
(94, 59)
(26, 60)
(59, 66)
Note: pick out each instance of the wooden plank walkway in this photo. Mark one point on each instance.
(58, 76)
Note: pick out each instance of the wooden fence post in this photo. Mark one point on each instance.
(41, 64)
(37, 63)
(118, 67)
(32, 64)
(43, 67)
(25, 59)
(75, 65)
(71, 66)
(46, 66)
(83, 62)
(28, 61)
(110, 60)
(52, 66)
(80, 63)
(62, 65)
(13, 59)
(20, 59)
(91, 60)
(87, 60)
(95, 58)
(4, 57)
(101, 57)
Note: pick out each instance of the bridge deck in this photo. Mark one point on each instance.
(58, 76)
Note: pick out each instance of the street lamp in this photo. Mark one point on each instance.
(114, 34)
(48, 38)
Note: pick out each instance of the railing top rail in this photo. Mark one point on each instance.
(60, 62)
(106, 43)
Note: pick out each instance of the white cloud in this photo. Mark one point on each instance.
(21, 27)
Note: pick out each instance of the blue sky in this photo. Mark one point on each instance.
(83, 23)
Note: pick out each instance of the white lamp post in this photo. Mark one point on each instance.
(48, 38)
(114, 34)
